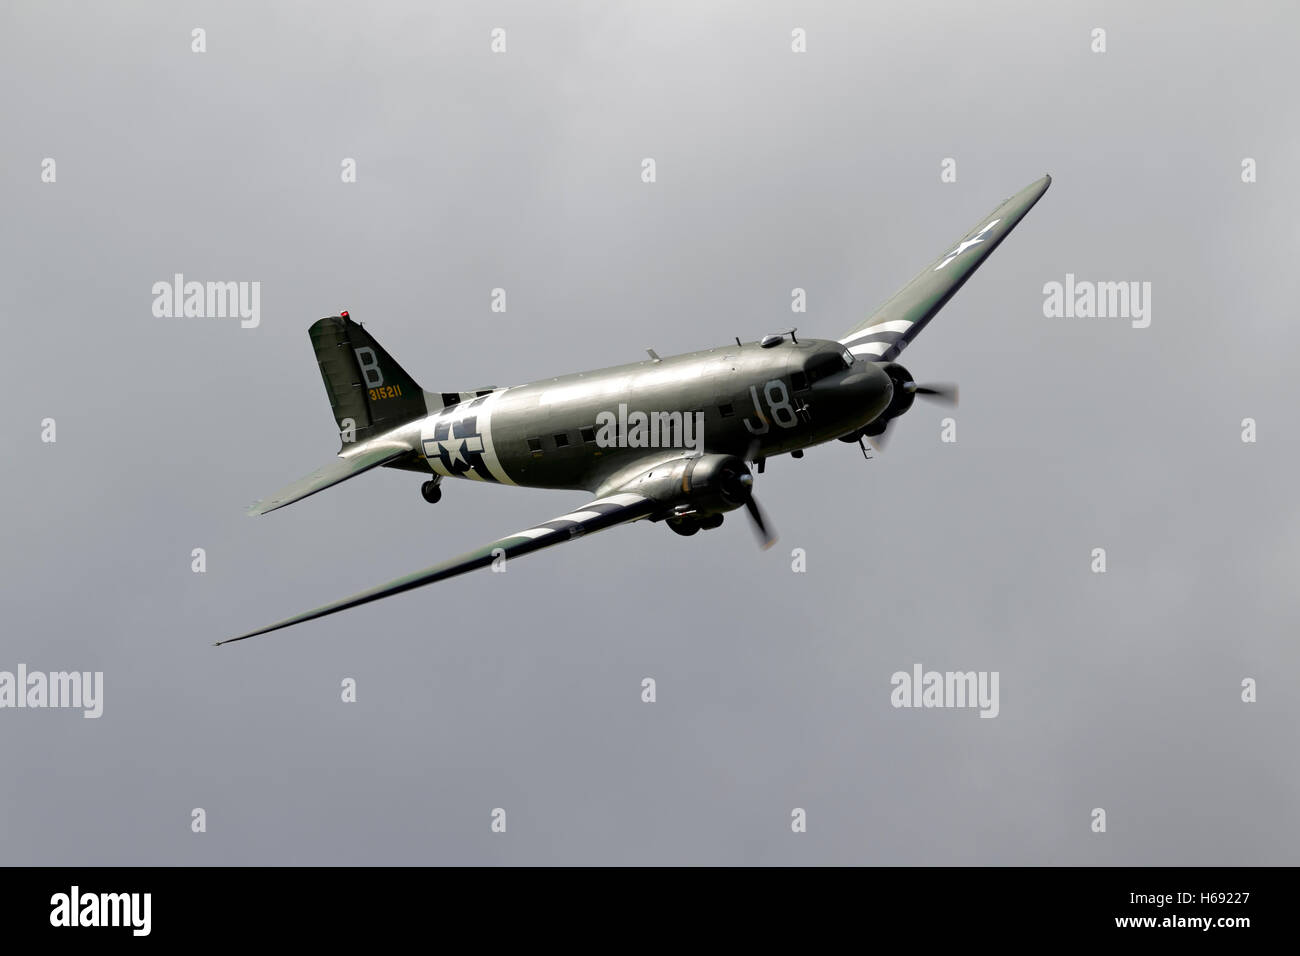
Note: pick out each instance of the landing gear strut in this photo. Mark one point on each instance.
(432, 493)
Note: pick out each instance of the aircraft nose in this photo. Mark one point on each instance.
(865, 387)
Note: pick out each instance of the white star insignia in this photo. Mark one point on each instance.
(966, 244)
(453, 445)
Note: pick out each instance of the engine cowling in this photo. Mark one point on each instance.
(707, 484)
(904, 392)
(716, 483)
(903, 397)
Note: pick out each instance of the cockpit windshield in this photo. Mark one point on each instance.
(822, 364)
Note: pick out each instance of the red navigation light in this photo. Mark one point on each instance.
(344, 314)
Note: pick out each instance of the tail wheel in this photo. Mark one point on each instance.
(431, 491)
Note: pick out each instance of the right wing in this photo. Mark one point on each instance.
(600, 514)
(892, 326)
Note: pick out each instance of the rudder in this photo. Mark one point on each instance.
(369, 392)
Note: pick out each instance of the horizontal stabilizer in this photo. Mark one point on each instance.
(330, 475)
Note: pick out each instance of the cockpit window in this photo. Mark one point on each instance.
(823, 364)
(847, 356)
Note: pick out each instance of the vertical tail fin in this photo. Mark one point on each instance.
(369, 392)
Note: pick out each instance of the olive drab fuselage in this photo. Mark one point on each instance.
(571, 431)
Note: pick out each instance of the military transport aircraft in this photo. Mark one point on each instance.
(663, 439)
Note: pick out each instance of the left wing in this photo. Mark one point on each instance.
(596, 516)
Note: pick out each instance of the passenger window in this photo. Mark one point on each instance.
(588, 434)
(561, 440)
(535, 446)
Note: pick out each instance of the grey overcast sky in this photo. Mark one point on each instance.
(776, 170)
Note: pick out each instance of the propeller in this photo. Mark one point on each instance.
(941, 393)
(765, 538)
(742, 486)
(944, 393)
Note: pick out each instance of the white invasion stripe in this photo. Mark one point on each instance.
(873, 348)
(534, 533)
(627, 498)
(430, 449)
(894, 325)
(485, 429)
(578, 516)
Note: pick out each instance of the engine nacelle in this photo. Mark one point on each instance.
(708, 484)
(717, 483)
(903, 397)
(904, 392)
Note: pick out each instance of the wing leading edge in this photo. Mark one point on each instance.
(595, 516)
(892, 326)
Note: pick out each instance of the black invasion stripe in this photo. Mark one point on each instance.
(603, 519)
(574, 528)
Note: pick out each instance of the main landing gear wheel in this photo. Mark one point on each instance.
(432, 493)
(689, 525)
